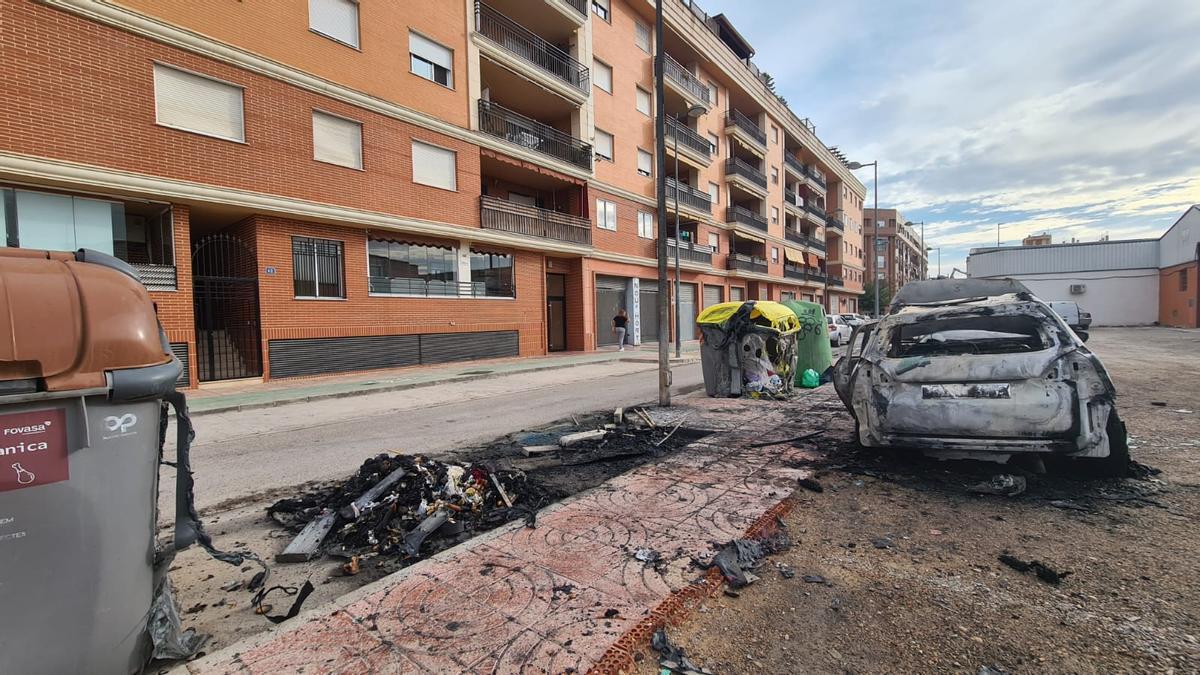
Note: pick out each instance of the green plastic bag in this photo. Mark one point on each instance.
(810, 379)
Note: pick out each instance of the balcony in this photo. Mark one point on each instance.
(688, 197)
(816, 211)
(747, 263)
(688, 85)
(753, 179)
(743, 215)
(792, 271)
(746, 128)
(815, 175)
(836, 281)
(692, 145)
(580, 6)
(794, 165)
(519, 49)
(530, 221)
(697, 253)
(804, 240)
(496, 120)
(834, 223)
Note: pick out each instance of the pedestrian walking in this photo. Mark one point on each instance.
(620, 325)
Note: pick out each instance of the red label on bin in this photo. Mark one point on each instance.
(33, 449)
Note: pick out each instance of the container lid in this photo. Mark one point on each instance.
(67, 322)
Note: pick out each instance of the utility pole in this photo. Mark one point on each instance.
(660, 151)
(678, 243)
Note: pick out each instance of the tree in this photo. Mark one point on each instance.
(866, 301)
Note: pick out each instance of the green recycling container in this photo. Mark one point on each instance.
(812, 340)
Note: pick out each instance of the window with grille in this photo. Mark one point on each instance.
(318, 268)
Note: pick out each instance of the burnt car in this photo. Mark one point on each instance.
(979, 369)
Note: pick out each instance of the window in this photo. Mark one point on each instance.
(774, 214)
(430, 60)
(645, 225)
(606, 215)
(602, 75)
(197, 103)
(604, 145)
(643, 101)
(645, 162)
(714, 240)
(712, 92)
(737, 294)
(317, 268)
(641, 36)
(492, 275)
(774, 134)
(336, 19)
(601, 8)
(774, 254)
(775, 175)
(404, 268)
(1183, 279)
(337, 140)
(433, 166)
(714, 193)
(716, 144)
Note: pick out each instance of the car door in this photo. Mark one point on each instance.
(846, 369)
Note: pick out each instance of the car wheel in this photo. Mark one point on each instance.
(1116, 465)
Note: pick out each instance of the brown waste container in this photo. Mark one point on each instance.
(84, 368)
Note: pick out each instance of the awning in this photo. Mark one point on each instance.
(793, 256)
(749, 237)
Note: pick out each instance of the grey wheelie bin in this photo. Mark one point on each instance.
(84, 371)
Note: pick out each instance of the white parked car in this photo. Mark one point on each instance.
(839, 330)
(853, 320)
(979, 369)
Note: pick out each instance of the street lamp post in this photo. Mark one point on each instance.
(939, 250)
(854, 166)
(660, 152)
(692, 113)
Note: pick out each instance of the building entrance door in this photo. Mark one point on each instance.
(225, 294)
(556, 312)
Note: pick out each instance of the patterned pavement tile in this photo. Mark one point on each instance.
(434, 625)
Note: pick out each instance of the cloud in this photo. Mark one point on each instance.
(1079, 117)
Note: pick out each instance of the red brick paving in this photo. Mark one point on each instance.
(555, 598)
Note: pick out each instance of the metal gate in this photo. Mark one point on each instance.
(225, 283)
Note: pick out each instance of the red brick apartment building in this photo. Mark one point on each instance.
(321, 186)
(900, 254)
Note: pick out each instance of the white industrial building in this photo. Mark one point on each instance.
(1131, 282)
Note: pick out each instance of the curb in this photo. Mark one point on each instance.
(241, 407)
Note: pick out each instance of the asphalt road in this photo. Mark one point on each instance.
(238, 455)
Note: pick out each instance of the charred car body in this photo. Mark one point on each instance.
(978, 369)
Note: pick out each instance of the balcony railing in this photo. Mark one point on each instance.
(677, 130)
(156, 277)
(529, 47)
(738, 119)
(804, 239)
(580, 6)
(815, 174)
(802, 273)
(689, 251)
(789, 197)
(743, 215)
(815, 210)
(499, 214)
(438, 288)
(686, 195)
(496, 120)
(834, 223)
(836, 281)
(684, 79)
(794, 163)
(747, 263)
(739, 167)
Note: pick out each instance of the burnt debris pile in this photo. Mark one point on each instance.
(407, 507)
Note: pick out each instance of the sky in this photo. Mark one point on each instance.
(1076, 117)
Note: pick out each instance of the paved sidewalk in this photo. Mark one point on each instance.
(568, 595)
(251, 395)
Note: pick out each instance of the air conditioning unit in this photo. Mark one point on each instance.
(1078, 289)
